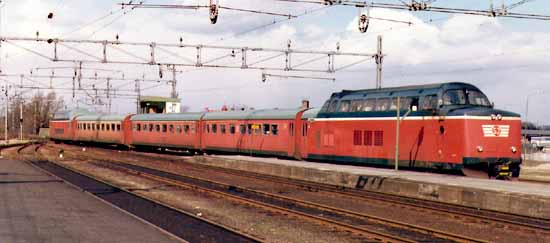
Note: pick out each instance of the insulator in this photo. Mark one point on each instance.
(50, 15)
(363, 23)
(214, 11)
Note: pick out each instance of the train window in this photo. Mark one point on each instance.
(214, 128)
(157, 127)
(429, 102)
(102, 127)
(222, 128)
(274, 129)
(207, 127)
(249, 129)
(112, 127)
(192, 128)
(232, 128)
(150, 127)
(367, 138)
(333, 105)
(393, 104)
(118, 127)
(108, 127)
(291, 129)
(357, 137)
(383, 104)
(242, 128)
(408, 103)
(454, 97)
(344, 106)
(257, 129)
(171, 128)
(378, 138)
(357, 105)
(266, 130)
(138, 127)
(178, 129)
(186, 128)
(164, 127)
(477, 98)
(325, 106)
(369, 105)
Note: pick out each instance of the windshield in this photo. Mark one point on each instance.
(477, 98)
(463, 97)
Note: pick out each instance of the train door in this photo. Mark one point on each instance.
(297, 142)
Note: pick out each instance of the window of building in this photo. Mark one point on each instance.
(232, 128)
(242, 128)
(266, 130)
(357, 137)
(214, 128)
(222, 128)
(164, 127)
(274, 129)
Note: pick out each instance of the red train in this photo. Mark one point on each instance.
(448, 126)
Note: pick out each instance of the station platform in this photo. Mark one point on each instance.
(36, 207)
(516, 197)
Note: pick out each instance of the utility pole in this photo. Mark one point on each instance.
(174, 83)
(138, 91)
(109, 94)
(379, 59)
(6, 114)
(21, 109)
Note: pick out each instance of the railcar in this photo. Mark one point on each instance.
(447, 126)
(175, 131)
(106, 129)
(63, 125)
(266, 132)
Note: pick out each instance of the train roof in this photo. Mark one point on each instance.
(99, 117)
(267, 114)
(70, 114)
(187, 116)
(403, 91)
(311, 113)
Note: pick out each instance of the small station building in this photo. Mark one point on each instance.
(157, 104)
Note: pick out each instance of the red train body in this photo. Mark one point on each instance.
(445, 126)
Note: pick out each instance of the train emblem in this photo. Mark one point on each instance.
(496, 130)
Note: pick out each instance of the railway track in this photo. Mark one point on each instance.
(498, 219)
(166, 218)
(512, 222)
(362, 224)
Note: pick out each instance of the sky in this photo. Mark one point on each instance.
(506, 58)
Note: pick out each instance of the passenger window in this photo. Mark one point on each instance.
(393, 106)
(257, 129)
(164, 127)
(266, 129)
(232, 128)
(108, 126)
(382, 104)
(344, 106)
(369, 105)
(171, 128)
(249, 128)
(242, 128)
(214, 128)
(151, 127)
(138, 127)
(178, 129)
(222, 128)
(274, 129)
(429, 102)
(102, 127)
(186, 128)
(118, 127)
(157, 127)
(112, 127)
(357, 105)
(332, 106)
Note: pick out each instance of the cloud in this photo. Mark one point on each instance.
(507, 62)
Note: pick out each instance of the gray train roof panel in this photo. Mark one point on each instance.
(101, 118)
(403, 91)
(268, 114)
(311, 113)
(70, 114)
(188, 116)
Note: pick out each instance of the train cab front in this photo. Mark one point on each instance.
(492, 137)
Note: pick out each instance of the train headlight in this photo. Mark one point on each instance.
(499, 117)
(480, 149)
(493, 117)
(514, 149)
